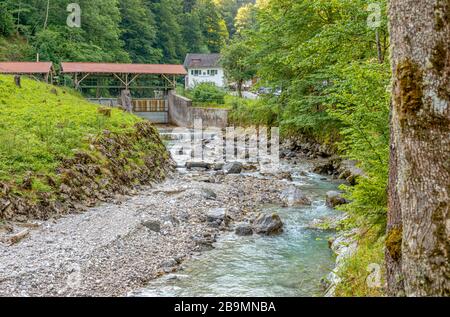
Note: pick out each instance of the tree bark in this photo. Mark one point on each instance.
(239, 87)
(46, 15)
(379, 49)
(418, 237)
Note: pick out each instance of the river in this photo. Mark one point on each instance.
(290, 265)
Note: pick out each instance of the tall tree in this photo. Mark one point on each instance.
(6, 20)
(191, 31)
(169, 38)
(139, 31)
(214, 27)
(237, 62)
(417, 242)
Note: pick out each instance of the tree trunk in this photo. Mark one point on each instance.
(417, 243)
(379, 49)
(239, 87)
(46, 14)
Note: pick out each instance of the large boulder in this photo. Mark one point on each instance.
(293, 196)
(217, 216)
(335, 198)
(204, 165)
(152, 225)
(233, 168)
(268, 224)
(244, 229)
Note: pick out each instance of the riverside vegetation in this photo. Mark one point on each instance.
(334, 72)
(329, 60)
(57, 151)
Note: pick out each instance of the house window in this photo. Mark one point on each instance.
(212, 72)
(196, 72)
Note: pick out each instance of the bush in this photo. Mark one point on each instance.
(208, 92)
(246, 112)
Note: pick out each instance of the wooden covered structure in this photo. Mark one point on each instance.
(138, 78)
(37, 70)
(141, 88)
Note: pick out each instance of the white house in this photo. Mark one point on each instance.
(203, 68)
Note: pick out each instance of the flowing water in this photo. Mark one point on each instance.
(291, 264)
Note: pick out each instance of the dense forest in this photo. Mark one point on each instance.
(140, 31)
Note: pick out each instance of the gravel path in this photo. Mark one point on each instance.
(118, 247)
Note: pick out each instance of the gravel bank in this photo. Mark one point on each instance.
(118, 247)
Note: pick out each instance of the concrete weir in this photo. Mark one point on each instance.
(182, 113)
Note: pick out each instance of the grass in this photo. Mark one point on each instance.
(246, 112)
(358, 270)
(40, 125)
(212, 104)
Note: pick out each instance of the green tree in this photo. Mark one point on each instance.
(139, 31)
(214, 28)
(237, 64)
(6, 20)
(192, 33)
(169, 36)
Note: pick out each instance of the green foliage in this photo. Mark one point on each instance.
(141, 31)
(360, 101)
(191, 32)
(245, 112)
(358, 268)
(38, 130)
(15, 49)
(169, 37)
(236, 62)
(229, 10)
(138, 28)
(6, 21)
(335, 76)
(214, 28)
(207, 93)
(334, 84)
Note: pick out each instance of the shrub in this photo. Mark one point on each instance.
(208, 92)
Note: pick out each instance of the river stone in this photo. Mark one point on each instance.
(334, 199)
(218, 166)
(208, 194)
(152, 225)
(233, 168)
(244, 229)
(268, 224)
(199, 165)
(293, 196)
(217, 216)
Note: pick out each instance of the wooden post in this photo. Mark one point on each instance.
(126, 101)
(17, 81)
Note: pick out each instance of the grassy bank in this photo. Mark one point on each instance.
(56, 149)
(363, 273)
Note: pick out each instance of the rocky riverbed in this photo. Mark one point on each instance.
(117, 247)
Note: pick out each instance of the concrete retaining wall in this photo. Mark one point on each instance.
(182, 114)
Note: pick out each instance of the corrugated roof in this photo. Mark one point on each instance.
(106, 68)
(25, 67)
(202, 60)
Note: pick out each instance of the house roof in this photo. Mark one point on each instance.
(202, 60)
(106, 68)
(25, 67)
